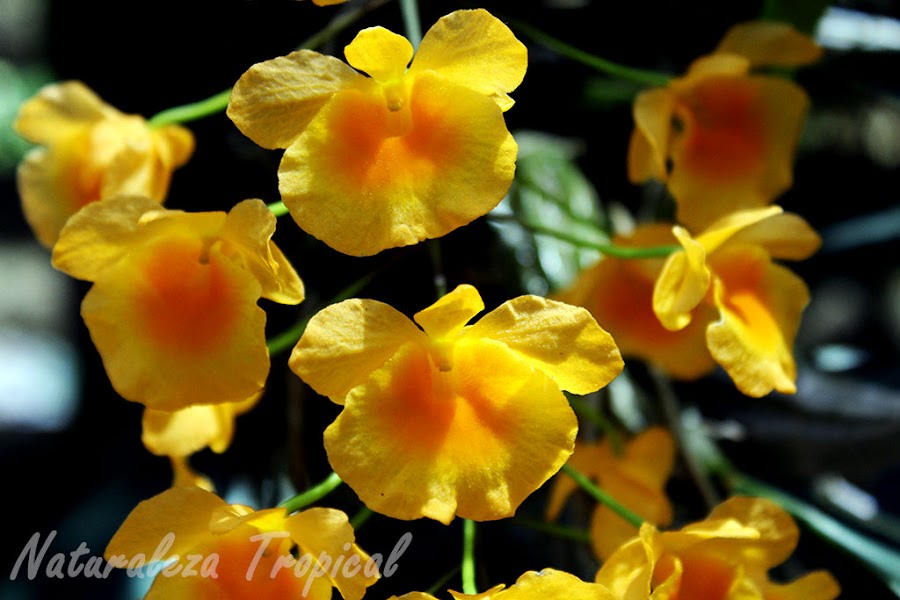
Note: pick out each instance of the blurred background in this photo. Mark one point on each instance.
(70, 447)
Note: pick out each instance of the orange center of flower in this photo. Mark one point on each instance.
(704, 576)
(723, 135)
(446, 412)
(267, 580)
(423, 402)
(187, 301)
(742, 276)
(389, 139)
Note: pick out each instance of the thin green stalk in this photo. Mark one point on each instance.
(606, 249)
(360, 518)
(584, 410)
(411, 22)
(278, 208)
(219, 102)
(468, 558)
(313, 494)
(642, 76)
(191, 112)
(340, 22)
(575, 535)
(440, 583)
(601, 496)
(672, 411)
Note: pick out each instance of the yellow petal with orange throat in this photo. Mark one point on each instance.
(108, 158)
(363, 177)
(89, 151)
(760, 305)
(619, 293)
(736, 145)
(473, 441)
(177, 324)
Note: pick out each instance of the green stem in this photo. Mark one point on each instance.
(440, 583)
(672, 411)
(278, 208)
(340, 22)
(606, 249)
(192, 111)
(219, 102)
(601, 496)
(642, 76)
(411, 22)
(317, 492)
(575, 535)
(360, 518)
(583, 409)
(468, 558)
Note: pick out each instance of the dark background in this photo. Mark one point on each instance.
(144, 57)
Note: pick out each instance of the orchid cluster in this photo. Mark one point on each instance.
(443, 413)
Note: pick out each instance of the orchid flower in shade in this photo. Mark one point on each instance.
(411, 152)
(173, 310)
(619, 293)
(221, 550)
(452, 419)
(729, 267)
(725, 556)
(636, 478)
(546, 584)
(88, 151)
(181, 433)
(723, 137)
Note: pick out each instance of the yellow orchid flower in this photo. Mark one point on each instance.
(636, 478)
(173, 310)
(727, 555)
(722, 137)
(452, 419)
(220, 550)
(403, 155)
(532, 585)
(729, 266)
(89, 151)
(619, 293)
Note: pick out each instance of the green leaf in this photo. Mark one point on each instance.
(550, 189)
